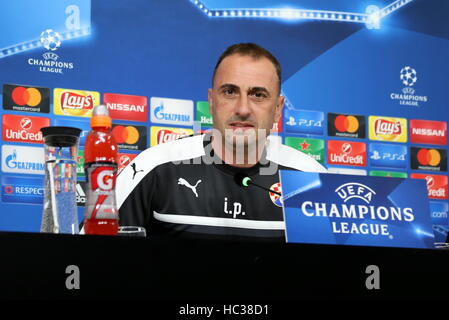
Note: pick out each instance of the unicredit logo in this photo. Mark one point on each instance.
(383, 126)
(72, 100)
(23, 129)
(346, 153)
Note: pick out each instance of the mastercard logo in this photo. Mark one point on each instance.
(26, 96)
(128, 134)
(429, 157)
(346, 123)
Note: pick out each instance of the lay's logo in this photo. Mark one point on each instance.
(387, 129)
(76, 103)
(165, 134)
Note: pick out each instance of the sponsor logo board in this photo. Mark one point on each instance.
(26, 98)
(19, 159)
(353, 172)
(347, 153)
(126, 107)
(23, 190)
(386, 155)
(347, 126)
(172, 111)
(203, 114)
(17, 128)
(387, 129)
(436, 185)
(304, 121)
(428, 132)
(124, 159)
(130, 137)
(390, 174)
(428, 159)
(165, 134)
(312, 147)
(76, 103)
(438, 212)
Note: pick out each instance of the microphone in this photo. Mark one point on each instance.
(244, 181)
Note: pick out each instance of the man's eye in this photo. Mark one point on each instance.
(259, 95)
(229, 91)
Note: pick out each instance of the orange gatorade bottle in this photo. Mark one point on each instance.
(100, 165)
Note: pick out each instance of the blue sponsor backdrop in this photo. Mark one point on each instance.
(313, 210)
(336, 57)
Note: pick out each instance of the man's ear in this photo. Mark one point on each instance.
(279, 107)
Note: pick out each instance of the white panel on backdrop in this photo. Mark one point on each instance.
(172, 111)
(19, 159)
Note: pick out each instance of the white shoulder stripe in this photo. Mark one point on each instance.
(219, 222)
(134, 172)
(290, 157)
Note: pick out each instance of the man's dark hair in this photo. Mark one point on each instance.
(253, 50)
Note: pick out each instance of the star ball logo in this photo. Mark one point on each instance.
(408, 77)
(348, 126)
(26, 98)
(51, 41)
(428, 159)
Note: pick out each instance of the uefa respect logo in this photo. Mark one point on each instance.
(408, 77)
(51, 41)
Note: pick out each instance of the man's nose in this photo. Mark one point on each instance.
(243, 107)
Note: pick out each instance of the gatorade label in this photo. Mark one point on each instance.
(100, 189)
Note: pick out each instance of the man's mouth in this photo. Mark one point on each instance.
(237, 125)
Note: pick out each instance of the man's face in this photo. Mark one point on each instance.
(245, 98)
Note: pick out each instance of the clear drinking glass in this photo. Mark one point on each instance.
(61, 151)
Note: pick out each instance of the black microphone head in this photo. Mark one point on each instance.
(242, 179)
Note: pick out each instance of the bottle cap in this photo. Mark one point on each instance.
(100, 117)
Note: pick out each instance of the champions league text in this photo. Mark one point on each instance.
(343, 211)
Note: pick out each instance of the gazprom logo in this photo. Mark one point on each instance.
(172, 111)
(20, 159)
(159, 112)
(352, 190)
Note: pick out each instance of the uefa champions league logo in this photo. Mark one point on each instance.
(408, 76)
(51, 40)
(408, 97)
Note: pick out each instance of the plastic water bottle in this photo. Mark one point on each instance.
(100, 165)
